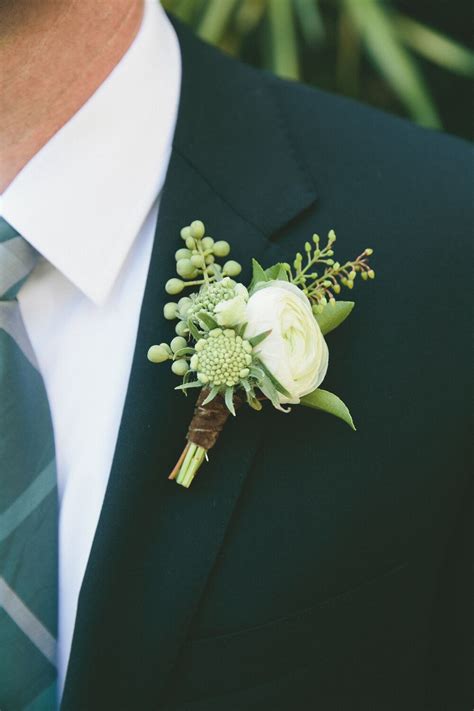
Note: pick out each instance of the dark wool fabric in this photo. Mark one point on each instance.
(309, 566)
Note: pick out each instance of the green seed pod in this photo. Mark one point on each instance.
(157, 354)
(197, 229)
(182, 254)
(177, 343)
(364, 276)
(174, 286)
(183, 305)
(190, 243)
(166, 347)
(197, 260)
(232, 268)
(180, 367)
(170, 311)
(207, 243)
(181, 329)
(185, 268)
(185, 233)
(371, 274)
(221, 248)
(210, 259)
(211, 270)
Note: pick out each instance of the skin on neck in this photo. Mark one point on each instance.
(54, 54)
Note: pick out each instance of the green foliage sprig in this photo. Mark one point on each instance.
(321, 287)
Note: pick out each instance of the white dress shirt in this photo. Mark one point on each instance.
(88, 202)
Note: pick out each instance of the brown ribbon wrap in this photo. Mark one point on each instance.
(209, 420)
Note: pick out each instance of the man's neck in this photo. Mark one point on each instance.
(54, 55)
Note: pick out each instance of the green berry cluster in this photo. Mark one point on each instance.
(222, 358)
(196, 263)
(321, 288)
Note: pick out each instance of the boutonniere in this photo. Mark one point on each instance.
(263, 342)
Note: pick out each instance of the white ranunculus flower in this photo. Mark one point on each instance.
(232, 311)
(295, 352)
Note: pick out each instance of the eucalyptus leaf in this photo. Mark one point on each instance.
(333, 315)
(207, 320)
(214, 391)
(184, 352)
(193, 330)
(255, 340)
(186, 386)
(229, 400)
(275, 382)
(258, 274)
(277, 273)
(328, 402)
(240, 330)
(270, 391)
(256, 373)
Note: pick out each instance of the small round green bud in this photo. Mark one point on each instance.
(185, 233)
(190, 243)
(210, 269)
(307, 247)
(166, 347)
(184, 302)
(332, 236)
(350, 284)
(364, 276)
(207, 243)
(197, 229)
(352, 275)
(157, 354)
(336, 288)
(221, 248)
(174, 286)
(180, 367)
(183, 305)
(371, 274)
(210, 259)
(197, 260)
(185, 267)
(177, 343)
(170, 310)
(194, 361)
(182, 254)
(203, 378)
(369, 251)
(181, 329)
(232, 268)
(332, 301)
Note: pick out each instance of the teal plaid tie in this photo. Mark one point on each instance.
(28, 502)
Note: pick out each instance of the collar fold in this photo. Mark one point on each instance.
(82, 199)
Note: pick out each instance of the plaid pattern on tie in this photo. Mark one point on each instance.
(28, 502)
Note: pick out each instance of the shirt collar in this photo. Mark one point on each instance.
(82, 199)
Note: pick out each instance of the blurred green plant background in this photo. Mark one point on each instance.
(410, 57)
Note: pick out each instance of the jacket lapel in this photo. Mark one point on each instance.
(156, 543)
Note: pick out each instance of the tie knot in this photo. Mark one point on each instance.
(17, 260)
